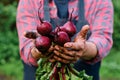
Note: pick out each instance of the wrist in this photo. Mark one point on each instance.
(89, 51)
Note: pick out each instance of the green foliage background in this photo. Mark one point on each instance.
(8, 34)
(9, 51)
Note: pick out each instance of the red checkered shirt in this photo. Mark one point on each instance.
(99, 14)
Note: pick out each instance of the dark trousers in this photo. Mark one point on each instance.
(29, 72)
(92, 70)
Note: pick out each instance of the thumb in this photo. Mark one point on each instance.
(83, 33)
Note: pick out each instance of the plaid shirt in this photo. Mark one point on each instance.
(99, 14)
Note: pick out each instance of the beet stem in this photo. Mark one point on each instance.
(71, 15)
(38, 12)
(58, 29)
(72, 70)
(63, 72)
(55, 73)
(51, 77)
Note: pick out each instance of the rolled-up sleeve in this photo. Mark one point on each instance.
(25, 21)
(102, 29)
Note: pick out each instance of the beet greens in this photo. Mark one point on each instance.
(58, 71)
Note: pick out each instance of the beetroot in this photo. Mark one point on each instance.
(42, 43)
(61, 35)
(45, 28)
(61, 38)
(69, 27)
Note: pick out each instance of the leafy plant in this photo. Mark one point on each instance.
(7, 17)
(8, 34)
(116, 34)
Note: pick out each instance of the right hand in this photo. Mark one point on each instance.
(35, 53)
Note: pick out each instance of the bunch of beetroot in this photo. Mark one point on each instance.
(57, 70)
(47, 37)
(64, 33)
(60, 35)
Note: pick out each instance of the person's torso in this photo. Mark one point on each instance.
(90, 9)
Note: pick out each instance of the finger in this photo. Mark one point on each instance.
(69, 52)
(52, 60)
(51, 49)
(49, 53)
(35, 53)
(76, 54)
(73, 45)
(77, 58)
(31, 34)
(64, 56)
(61, 60)
(68, 44)
(83, 33)
(58, 48)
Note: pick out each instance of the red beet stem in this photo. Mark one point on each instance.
(71, 15)
(38, 12)
(56, 74)
(58, 28)
(63, 72)
(51, 77)
(56, 31)
(72, 70)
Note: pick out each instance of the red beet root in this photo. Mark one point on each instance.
(45, 28)
(61, 38)
(69, 28)
(42, 43)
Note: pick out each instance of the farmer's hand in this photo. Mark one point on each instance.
(63, 55)
(35, 53)
(72, 51)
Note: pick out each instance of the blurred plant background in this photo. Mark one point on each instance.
(11, 67)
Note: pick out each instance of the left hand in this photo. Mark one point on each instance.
(72, 51)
